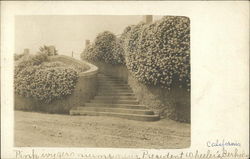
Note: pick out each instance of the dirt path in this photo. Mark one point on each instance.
(50, 130)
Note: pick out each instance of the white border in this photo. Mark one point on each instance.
(219, 67)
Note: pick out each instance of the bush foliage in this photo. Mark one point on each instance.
(89, 53)
(119, 53)
(156, 54)
(30, 60)
(159, 53)
(106, 47)
(40, 79)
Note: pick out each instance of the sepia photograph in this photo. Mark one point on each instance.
(118, 81)
(124, 79)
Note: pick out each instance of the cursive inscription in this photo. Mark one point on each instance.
(222, 143)
(144, 154)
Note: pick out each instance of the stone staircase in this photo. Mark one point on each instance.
(115, 98)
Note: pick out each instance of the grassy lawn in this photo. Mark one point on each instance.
(52, 130)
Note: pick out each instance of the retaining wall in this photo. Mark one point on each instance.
(86, 89)
(174, 104)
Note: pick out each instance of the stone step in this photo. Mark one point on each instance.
(104, 83)
(109, 78)
(125, 106)
(103, 75)
(116, 97)
(121, 115)
(101, 91)
(101, 81)
(115, 89)
(118, 101)
(109, 81)
(116, 110)
(114, 86)
(114, 94)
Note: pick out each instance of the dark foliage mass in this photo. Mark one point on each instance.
(38, 78)
(156, 54)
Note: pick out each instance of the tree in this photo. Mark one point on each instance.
(49, 50)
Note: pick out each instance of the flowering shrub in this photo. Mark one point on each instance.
(156, 54)
(118, 52)
(104, 45)
(30, 60)
(115, 55)
(123, 41)
(131, 43)
(89, 53)
(159, 53)
(43, 80)
(125, 33)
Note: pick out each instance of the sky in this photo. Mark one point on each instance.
(66, 32)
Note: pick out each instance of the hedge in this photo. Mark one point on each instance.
(119, 53)
(89, 53)
(159, 53)
(106, 47)
(156, 54)
(36, 77)
(29, 60)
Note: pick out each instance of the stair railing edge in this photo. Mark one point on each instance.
(93, 70)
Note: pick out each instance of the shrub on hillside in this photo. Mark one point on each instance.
(132, 37)
(155, 54)
(89, 53)
(118, 52)
(106, 47)
(158, 53)
(30, 60)
(124, 36)
(40, 79)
